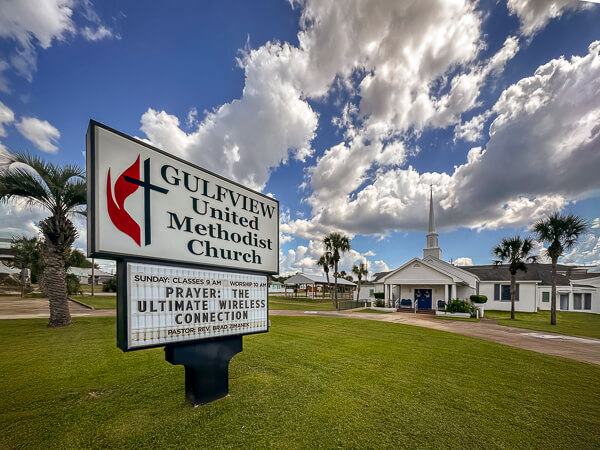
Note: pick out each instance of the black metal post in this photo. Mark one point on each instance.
(206, 367)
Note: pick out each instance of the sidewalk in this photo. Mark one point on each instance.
(579, 349)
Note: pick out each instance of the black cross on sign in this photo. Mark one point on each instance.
(147, 188)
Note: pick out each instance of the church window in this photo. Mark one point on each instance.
(587, 301)
(502, 292)
(576, 301)
(545, 296)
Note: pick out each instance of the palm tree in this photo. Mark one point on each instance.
(27, 255)
(60, 190)
(515, 251)
(360, 271)
(336, 243)
(326, 263)
(560, 232)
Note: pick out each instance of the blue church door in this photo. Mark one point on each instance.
(423, 298)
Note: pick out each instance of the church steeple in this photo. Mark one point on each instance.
(432, 248)
(431, 217)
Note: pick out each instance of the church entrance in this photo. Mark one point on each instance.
(423, 298)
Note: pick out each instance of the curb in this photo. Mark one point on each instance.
(85, 305)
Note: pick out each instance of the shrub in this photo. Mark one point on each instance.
(379, 303)
(461, 306)
(478, 298)
(73, 286)
(379, 295)
(110, 285)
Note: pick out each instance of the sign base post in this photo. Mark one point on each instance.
(206, 367)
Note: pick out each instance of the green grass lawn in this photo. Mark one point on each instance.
(309, 382)
(279, 303)
(570, 323)
(99, 301)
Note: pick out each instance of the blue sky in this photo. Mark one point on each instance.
(345, 112)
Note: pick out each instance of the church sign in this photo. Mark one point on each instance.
(149, 204)
(170, 304)
(193, 252)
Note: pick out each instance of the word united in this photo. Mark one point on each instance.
(211, 202)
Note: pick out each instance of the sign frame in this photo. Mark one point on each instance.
(93, 251)
(123, 299)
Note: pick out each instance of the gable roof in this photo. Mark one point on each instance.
(302, 278)
(535, 272)
(379, 275)
(454, 277)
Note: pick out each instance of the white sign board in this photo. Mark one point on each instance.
(167, 305)
(146, 203)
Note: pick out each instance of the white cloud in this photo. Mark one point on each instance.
(472, 131)
(535, 14)
(244, 139)
(542, 153)
(6, 117)
(101, 32)
(304, 259)
(586, 252)
(33, 23)
(17, 218)
(39, 132)
(192, 118)
(595, 223)
(463, 261)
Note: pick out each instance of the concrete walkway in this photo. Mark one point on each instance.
(37, 308)
(580, 349)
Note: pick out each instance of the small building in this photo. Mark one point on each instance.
(84, 274)
(313, 284)
(277, 287)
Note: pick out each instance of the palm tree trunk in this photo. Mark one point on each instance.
(22, 281)
(553, 293)
(358, 294)
(513, 293)
(56, 285)
(329, 285)
(335, 277)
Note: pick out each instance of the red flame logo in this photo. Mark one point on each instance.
(116, 205)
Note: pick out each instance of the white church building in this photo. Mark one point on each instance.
(428, 283)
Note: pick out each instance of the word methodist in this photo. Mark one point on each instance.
(147, 203)
(172, 304)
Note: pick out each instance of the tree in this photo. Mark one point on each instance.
(60, 190)
(27, 255)
(78, 259)
(515, 251)
(336, 243)
(560, 233)
(326, 263)
(360, 271)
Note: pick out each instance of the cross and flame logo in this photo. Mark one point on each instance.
(125, 185)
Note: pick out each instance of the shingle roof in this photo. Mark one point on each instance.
(379, 275)
(303, 278)
(535, 272)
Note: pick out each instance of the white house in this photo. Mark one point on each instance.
(428, 283)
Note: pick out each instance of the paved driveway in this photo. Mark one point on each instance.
(32, 308)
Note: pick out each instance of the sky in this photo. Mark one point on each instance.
(347, 112)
